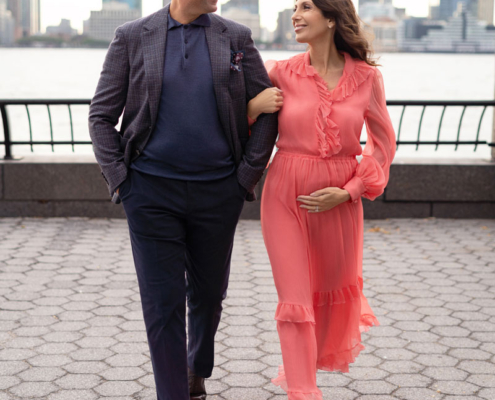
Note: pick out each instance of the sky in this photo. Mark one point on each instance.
(52, 11)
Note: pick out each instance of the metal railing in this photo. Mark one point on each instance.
(8, 141)
(444, 104)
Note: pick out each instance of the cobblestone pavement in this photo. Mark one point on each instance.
(71, 324)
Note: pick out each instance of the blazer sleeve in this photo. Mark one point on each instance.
(264, 132)
(372, 173)
(105, 110)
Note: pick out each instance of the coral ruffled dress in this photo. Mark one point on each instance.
(316, 258)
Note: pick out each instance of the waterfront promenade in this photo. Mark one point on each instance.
(71, 325)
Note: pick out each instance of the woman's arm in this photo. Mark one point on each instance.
(268, 101)
(372, 173)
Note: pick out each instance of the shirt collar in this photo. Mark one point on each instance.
(202, 20)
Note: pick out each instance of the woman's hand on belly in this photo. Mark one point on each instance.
(324, 199)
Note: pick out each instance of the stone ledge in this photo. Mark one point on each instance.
(463, 209)
(53, 181)
(441, 182)
(404, 209)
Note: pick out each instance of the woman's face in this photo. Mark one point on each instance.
(309, 22)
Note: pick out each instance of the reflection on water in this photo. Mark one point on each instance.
(73, 74)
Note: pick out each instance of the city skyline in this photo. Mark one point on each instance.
(52, 11)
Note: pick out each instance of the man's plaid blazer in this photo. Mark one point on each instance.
(131, 82)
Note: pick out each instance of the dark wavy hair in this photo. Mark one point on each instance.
(349, 33)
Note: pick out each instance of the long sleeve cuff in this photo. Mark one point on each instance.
(355, 187)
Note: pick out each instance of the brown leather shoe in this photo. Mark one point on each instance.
(197, 390)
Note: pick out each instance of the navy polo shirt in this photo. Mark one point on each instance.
(188, 141)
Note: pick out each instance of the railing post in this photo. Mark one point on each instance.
(6, 132)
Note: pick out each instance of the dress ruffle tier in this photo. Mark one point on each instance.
(281, 381)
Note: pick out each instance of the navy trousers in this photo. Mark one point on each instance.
(182, 233)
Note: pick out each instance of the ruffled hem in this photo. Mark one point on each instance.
(281, 381)
(367, 321)
(338, 296)
(340, 361)
(294, 313)
(355, 73)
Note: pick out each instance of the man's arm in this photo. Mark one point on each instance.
(264, 132)
(106, 108)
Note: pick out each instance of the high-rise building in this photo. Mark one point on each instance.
(434, 12)
(252, 6)
(15, 7)
(372, 10)
(245, 12)
(7, 25)
(31, 17)
(449, 7)
(102, 24)
(26, 14)
(462, 33)
(243, 16)
(382, 2)
(133, 4)
(486, 10)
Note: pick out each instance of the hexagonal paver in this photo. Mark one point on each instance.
(245, 380)
(73, 395)
(123, 374)
(10, 368)
(78, 381)
(372, 387)
(33, 389)
(8, 381)
(118, 388)
(44, 374)
(127, 360)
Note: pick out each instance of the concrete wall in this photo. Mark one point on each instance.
(60, 186)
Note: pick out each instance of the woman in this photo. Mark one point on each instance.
(311, 210)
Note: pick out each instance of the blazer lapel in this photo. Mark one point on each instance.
(154, 39)
(219, 48)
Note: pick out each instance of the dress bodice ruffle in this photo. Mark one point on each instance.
(355, 73)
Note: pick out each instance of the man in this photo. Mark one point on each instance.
(183, 163)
